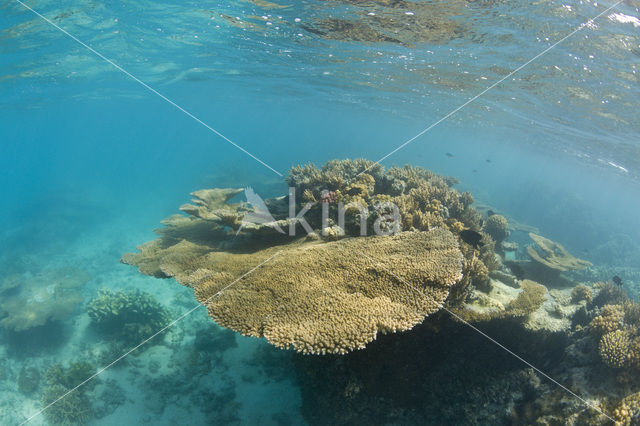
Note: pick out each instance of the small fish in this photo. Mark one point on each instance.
(488, 160)
(448, 154)
(472, 237)
(516, 270)
(475, 170)
(617, 280)
(490, 212)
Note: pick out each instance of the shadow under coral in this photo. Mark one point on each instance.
(451, 374)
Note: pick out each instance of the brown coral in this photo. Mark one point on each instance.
(553, 255)
(31, 301)
(614, 348)
(530, 299)
(497, 228)
(581, 292)
(611, 318)
(628, 410)
(319, 297)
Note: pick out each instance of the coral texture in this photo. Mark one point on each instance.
(553, 255)
(31, 301)
(529, 300)
(614, 348)
(628, 412)
(582, 292)
(324, 297)
(129, 316)
(497, 228)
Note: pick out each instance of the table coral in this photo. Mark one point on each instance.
(328, 297)
(553, 256)
(325, 296)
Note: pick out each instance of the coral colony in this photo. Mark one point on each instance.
(390, 284)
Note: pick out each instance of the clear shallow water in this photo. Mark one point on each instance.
(90, 161)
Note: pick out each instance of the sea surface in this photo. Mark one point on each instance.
(112, 112)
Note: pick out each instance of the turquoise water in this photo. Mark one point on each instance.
(91, 161)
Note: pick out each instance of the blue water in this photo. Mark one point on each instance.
(91, 161)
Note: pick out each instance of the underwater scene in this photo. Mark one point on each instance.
(320, 212)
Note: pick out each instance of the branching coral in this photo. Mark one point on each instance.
(614, 348)
(497, 228)
(75, 408)
(620, 340)
(611, 318)
(529, 300)
(628, 412)
(581, 292)
(129, 316)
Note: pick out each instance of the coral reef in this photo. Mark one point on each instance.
(614, 348)
(28, 301)
(582, 292)
(497, 228)
(75, 408)
(553, 256)
(618, 326)
(28, 379)
(330, 297)
(529, 300)
(628, 412)
(321, 295)
(427, 23)
(129, 316)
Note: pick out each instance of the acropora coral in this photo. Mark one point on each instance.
(614, 348)
(529, 300)
(617, 326)
(552, 255)
(581, 292)
(497, 228)
(130, 316)
(628, 411)
(329, 295)
(75, 408)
